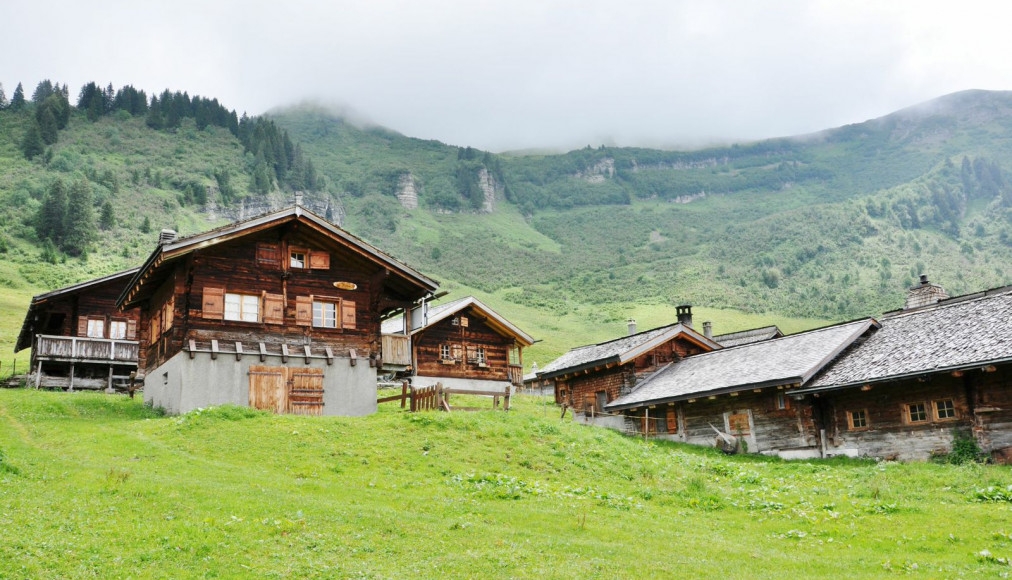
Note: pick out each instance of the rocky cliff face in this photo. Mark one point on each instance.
(491, 188)
(407, 191)
(320, 204)
(597, 173)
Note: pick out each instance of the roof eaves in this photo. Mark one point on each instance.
(901, 376)
(710, 393)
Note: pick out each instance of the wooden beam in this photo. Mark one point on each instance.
(330, 356)
(238, 351)
(263, 352)
(308, 352)
(354, 356)
(193, 348)
(214, 349)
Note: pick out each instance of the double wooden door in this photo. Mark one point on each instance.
(296, 391)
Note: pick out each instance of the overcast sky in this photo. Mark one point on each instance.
(529, 73)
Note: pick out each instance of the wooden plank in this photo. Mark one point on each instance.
(476, 392)
(238, 351)
(193, 348)
(267, 388)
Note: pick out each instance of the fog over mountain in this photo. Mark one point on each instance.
(524, 74)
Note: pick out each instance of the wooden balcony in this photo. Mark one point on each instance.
(81, 349)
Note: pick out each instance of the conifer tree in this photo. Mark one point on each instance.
(42, 91)
(80, 220)
(47, 125)
(52, 213)
(3, 98)
(154, 118)
(32, 143)
(108, 219)
(146, 225)
(18, 100)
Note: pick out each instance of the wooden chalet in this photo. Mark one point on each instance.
(590, 377)
(741, 391)
(278, 312)
(940, 367)
(79, 339)
(462, 344)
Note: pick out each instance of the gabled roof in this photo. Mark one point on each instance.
(440, 312)
(139, 286)
(958, 333)
(748, 336)
(620, 350)
(27, 327)
(790, 360)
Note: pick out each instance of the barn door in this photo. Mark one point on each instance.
(268, 388)
(305, 391)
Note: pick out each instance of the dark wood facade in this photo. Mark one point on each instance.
(79, 338)
(465, 346)
(276, 294)
(925, 413)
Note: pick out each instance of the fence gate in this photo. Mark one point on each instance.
(267, 388)
(305, 391)
(298, 391)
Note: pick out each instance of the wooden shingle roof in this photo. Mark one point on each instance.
(958, 333)
(790, 360)
(620, 350)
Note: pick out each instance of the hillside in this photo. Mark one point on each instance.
(92, 485)
(790, 231)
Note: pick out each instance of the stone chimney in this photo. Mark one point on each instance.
(708, 329)
(684, 313)
(167, 236)
(632, 326)
(924, 294)
(298, 198)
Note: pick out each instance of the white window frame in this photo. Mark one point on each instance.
(96, 328)
(302, 262)
(241, 307)
(479, 355)
(445, 353)
(320, 314)
(117, 329)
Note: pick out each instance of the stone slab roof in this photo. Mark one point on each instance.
(620, 350)
(780, 361)
(953, 334)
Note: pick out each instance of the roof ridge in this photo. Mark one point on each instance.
(786, 336)
(951, 302)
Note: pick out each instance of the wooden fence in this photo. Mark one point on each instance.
(437, 396)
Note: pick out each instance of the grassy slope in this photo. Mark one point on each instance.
(92, 485)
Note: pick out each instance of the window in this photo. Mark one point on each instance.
(945, 409)
(857, 419)
(479, 356)
(242, 307)
(299, 258)
(325, 314)
(455, 321)
(916, 413)
(96, 328)
(444, 352)
(782, 402)
(117, 329)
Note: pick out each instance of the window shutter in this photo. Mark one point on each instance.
(304, 310)
(131, 333)
(268, 254)
(347, 314)
(274, 308)
(82, 326)
(456, 352)
(319, 260)
(672, 420)
(168, 312)
(214, 303)
(155, 328)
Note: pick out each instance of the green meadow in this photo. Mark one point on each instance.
(100, 486)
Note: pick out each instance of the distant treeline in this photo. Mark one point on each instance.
(275, 161)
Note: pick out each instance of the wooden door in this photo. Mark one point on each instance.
(305, 392)
(268, 388)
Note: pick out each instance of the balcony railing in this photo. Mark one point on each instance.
(516, 374)
(77, 348)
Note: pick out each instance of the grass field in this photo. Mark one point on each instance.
(99, 486)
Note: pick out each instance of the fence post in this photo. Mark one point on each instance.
(413, 403)
(404, 393)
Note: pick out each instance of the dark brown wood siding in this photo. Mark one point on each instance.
(235, 268)
(426, 346)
